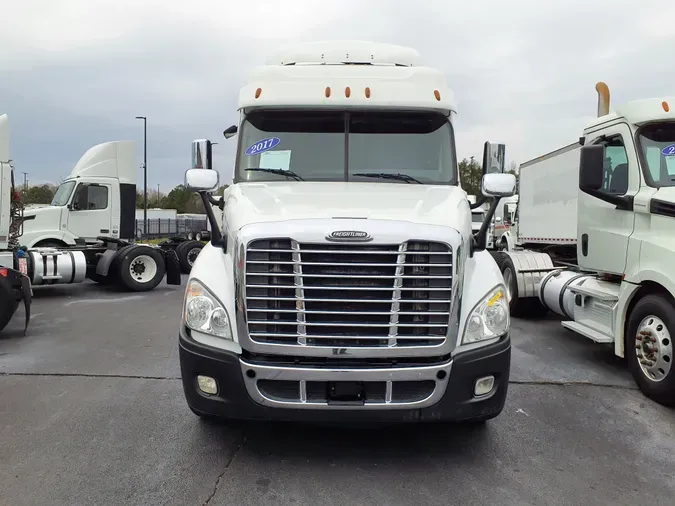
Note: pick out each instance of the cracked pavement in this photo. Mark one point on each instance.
(92, 413)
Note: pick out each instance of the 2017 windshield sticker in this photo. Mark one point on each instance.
(669, 150)
(262, 145)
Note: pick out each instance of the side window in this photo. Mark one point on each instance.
(615, 181)
(98, 197)
(90, 197)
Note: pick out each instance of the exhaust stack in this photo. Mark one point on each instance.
(603, 98)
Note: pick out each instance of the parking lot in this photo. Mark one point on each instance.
(92, 412)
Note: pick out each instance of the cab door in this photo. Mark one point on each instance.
(606, 220)
(89, 212)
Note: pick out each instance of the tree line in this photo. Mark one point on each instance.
(185, 201)
(179, 198)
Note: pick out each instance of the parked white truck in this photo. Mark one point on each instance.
(59, 256)
(98, 199)
(346, 284)
(595, 225)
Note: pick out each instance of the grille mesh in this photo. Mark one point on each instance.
(348, 295)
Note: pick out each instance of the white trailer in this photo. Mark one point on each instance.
(333, 290)
(106, 260)
(595, 225)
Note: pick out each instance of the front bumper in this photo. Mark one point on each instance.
(255, 390)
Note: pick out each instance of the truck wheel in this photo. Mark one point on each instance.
(8, 303)
(140, 267)
(190, 236)
(649, 347)
(187, 254)
(198, 236)
(101, 280)
(503, 245)
(519, 308)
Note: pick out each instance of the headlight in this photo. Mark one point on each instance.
(489, 319)
(204, 313)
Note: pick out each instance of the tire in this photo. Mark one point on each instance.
(8, 303)
(529, 307)
(503, 245)
(653, 316)
(190, 236)
(140, 268)
(101, 280)
(187, 253)
(198, 236)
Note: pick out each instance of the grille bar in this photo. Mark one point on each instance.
(347, 295)
(337, 287)
(349, 252)
(373, 301)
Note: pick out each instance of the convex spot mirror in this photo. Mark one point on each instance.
(498, 185)
(200, 180)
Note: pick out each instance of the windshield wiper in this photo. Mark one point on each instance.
(384, 175)
(281, 172)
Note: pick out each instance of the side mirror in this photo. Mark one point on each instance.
(200, 180)
(591, 168)
(494, 158)
(498, 185)
(230, 131)
(201, 154)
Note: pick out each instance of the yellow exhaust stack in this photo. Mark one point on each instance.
(603, 98)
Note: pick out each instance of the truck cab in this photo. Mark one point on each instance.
(97, 199)
(595, 221)
(345, 283)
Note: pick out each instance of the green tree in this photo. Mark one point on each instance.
(470, 174)
(42, 194)
(183, 200)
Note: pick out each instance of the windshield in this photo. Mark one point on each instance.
(62, 194)
(477, 217)
(338, 145)
(657, 146)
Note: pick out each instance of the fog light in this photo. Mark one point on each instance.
(483, 386)
(207, 385)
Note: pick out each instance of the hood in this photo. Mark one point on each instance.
(258, 202)
(40, 220)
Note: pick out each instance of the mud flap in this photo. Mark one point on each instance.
(27, 296)
(104, 261)
(173, 270)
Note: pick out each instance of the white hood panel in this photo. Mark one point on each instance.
(248, 203)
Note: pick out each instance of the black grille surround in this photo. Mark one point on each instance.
(349, 295)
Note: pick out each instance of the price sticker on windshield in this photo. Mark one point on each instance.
(668, 150)
(262, 145)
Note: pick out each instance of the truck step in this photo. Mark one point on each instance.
(52, 277)
(588, 332)
(596, 294)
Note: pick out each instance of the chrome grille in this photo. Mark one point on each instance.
(348, 295)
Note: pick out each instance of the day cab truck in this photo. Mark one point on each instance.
(597, 238)
(59, 248)
(345, 283)
(98, 199)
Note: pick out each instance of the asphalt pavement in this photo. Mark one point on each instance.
(92, 413)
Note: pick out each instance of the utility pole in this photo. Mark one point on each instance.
(145, 174)
(25, 182)
(158, 206)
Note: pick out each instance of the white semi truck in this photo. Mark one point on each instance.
(98, 199)
(596, 234)
(345, 283)
(56, 254)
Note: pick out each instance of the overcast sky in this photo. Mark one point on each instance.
(74, 73)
